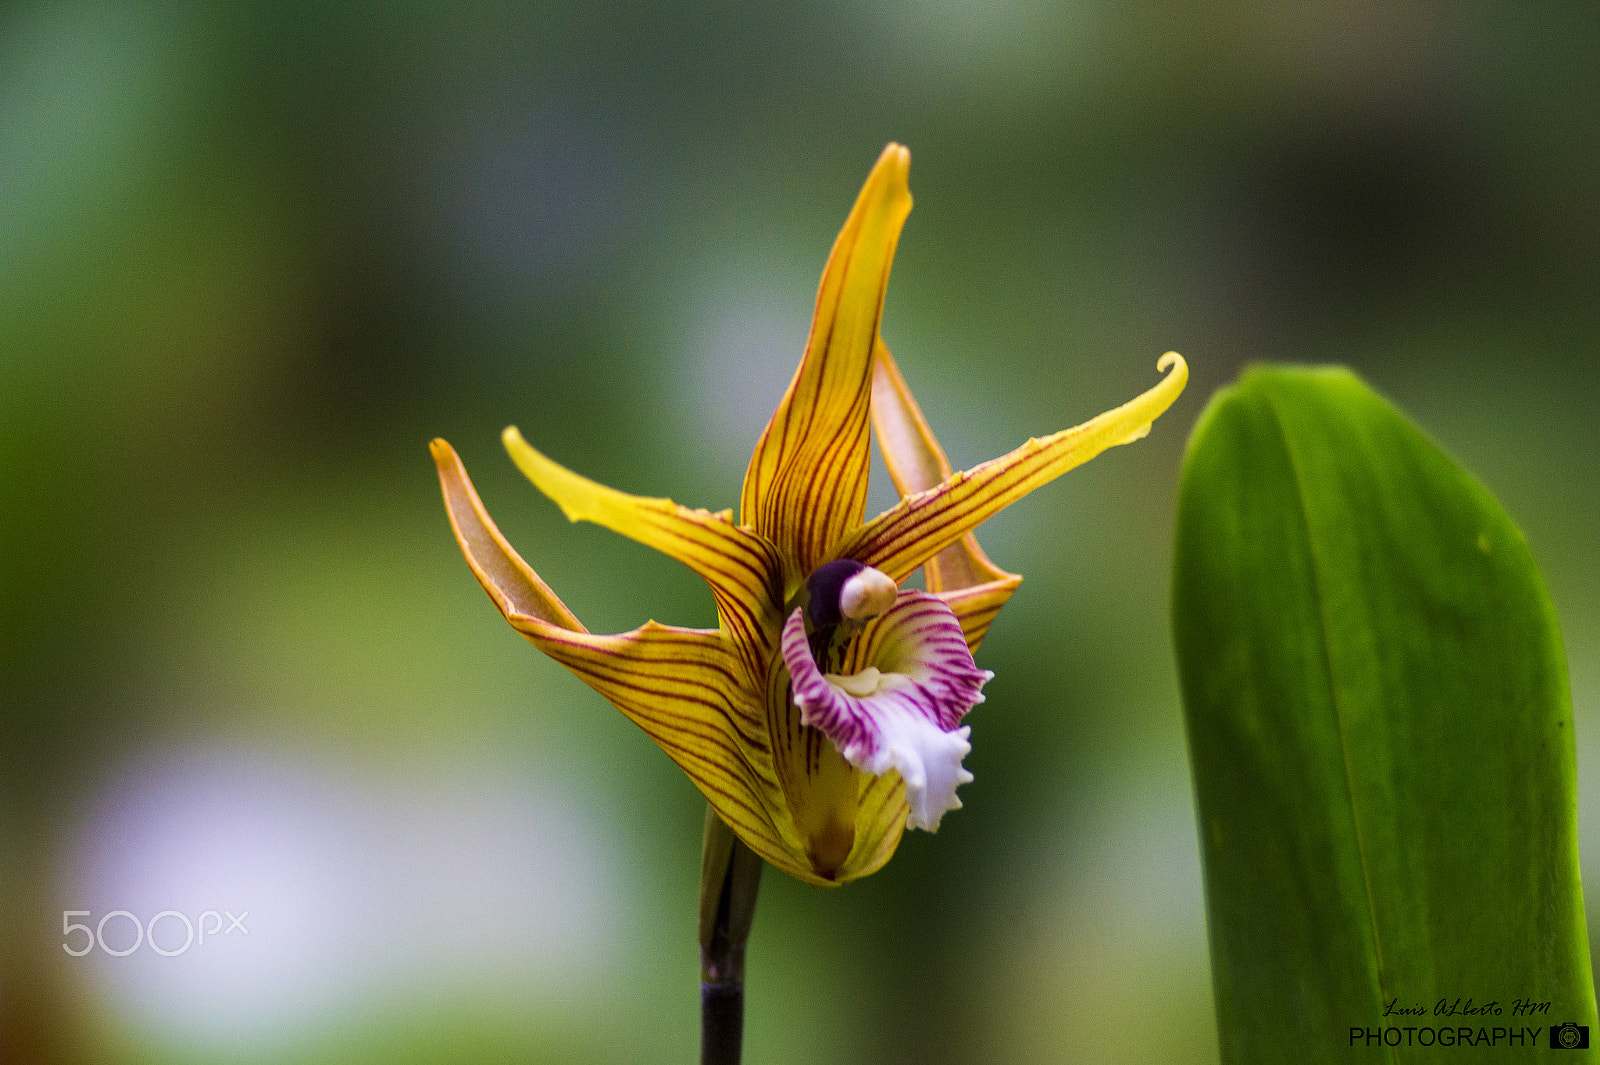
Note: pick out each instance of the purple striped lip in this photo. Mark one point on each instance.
(903, 710)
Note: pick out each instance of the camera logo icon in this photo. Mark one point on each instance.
(1569, 1036)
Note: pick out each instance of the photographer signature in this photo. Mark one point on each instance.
(1446, 1007)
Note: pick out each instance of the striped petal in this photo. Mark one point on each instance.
(908, 681)
(807, 480)
(820, 789)
(920, 526)
(742, 567)
(971, 586)
(881, 813)
(975, 608)
(513, 585)
(684, 687)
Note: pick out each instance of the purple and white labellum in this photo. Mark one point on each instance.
(901, 708)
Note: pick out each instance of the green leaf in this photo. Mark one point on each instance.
(1380, 731)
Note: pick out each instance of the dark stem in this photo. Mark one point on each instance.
(721, 1023)
(730, 876)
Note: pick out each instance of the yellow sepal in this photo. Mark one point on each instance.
(971, 586)
(908, 534)
(807, 481)
(513, 585)
(742, 568)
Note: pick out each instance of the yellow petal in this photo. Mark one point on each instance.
(742, 568)
(685, 688)
(820, 789)
(971, 586)
(976, 607)
(510, 582)
(807, 481)
(907, 535)
(880, 821)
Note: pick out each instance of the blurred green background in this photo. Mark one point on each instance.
(254, 256)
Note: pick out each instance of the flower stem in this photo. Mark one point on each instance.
(730, 876)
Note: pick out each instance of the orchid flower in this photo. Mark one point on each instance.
(822, 716)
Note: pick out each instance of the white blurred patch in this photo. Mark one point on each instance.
(746, 338)
(358, 888)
